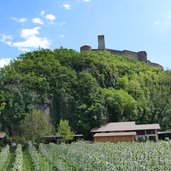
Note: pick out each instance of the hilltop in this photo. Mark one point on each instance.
(88, 89)
(138, 56)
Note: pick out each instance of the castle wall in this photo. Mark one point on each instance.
(130, 54)
(140, 56)
(155, 64)
(115, 52)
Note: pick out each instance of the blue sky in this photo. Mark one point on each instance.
(133, 25)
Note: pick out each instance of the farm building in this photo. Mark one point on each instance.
(165, 135)
(115, 137)
(125, 131)
(52, 139)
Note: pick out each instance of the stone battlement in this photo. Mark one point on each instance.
(140, 56)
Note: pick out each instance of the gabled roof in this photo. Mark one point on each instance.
(114, 134)
(2, 134)
(124, 126)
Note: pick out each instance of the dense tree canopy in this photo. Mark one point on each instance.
(88, 89)
(34, 126)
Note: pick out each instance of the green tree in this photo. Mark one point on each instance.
(64, 130)
(119, 105)
(35, 126)
(87, 89)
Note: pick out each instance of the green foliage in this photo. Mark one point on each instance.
(39, 162)
(64, 130)
(35, 126)
(4, 156)
(120, 105)
(18, 163)
(19, 140)
(88, 89)
(2, 106)
(2, 103)
(154, 156)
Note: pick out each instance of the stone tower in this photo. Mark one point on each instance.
(85, 48)
(101, 42)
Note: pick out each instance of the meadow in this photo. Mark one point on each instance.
(148, 156)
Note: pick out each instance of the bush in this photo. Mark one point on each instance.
(35, 126)
(64, 130)
(19, 140)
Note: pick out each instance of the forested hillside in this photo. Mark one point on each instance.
(87, 89)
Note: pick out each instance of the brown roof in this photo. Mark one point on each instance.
(2, 134)
(125, 126)
(114, 134)
(112, 126)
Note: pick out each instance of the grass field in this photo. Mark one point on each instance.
(149, 156)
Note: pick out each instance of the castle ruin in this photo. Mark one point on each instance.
(140, 56)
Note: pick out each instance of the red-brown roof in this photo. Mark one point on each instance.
(114, 134)
(2, 134)
(125, 126)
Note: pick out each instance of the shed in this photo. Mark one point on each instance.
(78, 137)
(53, 139)
(143, 131)
(115, 137)
(165, 135)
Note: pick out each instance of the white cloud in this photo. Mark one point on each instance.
(50, 17)
(19, 20)
(7, 39)
(4, 62)
(67, 6)
(31, 40)
(30, 37)
(26, 33)
(37, 21)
